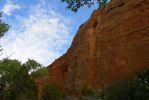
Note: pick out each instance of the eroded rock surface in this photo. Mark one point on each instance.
(110, 46)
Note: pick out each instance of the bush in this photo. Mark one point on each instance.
(135, 89)
(118, 91)
(141, 85)
(52, 92)
(86, 91)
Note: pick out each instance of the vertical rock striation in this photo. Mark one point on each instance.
(110, 46)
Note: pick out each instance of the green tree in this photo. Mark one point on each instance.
(74, 5)
(3, 29)
(32, 66)
(8, 69)
(40, 73)
(16, 81)
(25, 86)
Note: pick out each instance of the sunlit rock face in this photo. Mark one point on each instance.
(110, 46)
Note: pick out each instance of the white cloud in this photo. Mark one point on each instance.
(41, 36)
(10, 7)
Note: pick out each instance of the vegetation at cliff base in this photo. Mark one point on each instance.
(18, 81)
(136, 88)
(52, 91)
(86, 91)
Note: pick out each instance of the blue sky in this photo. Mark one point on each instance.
(40, 29)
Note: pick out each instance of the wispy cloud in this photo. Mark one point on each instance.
(41, 36)
(10, 7)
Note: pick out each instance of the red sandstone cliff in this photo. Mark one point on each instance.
(110, 46)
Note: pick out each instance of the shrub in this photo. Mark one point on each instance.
(118, 91)
(135, 89)
(86, 91)
(52, 92)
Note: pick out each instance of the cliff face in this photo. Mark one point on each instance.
(109, 47)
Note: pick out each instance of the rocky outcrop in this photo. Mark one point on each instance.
(110, 46)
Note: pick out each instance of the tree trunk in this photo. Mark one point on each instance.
(1, 92)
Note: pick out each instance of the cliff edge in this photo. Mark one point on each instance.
(110, 46)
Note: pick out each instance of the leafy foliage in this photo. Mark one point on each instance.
(8, 69)
(8, 72)
(135, 89)
(32, 65)
(141, 85)
(16, 80)
(74, 5)
(3, 27)
(52, 92)
(40, 73)
(118, 91)
(86, 91)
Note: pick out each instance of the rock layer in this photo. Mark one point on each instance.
(110, 46)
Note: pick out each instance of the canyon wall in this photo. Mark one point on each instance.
(110, 46)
